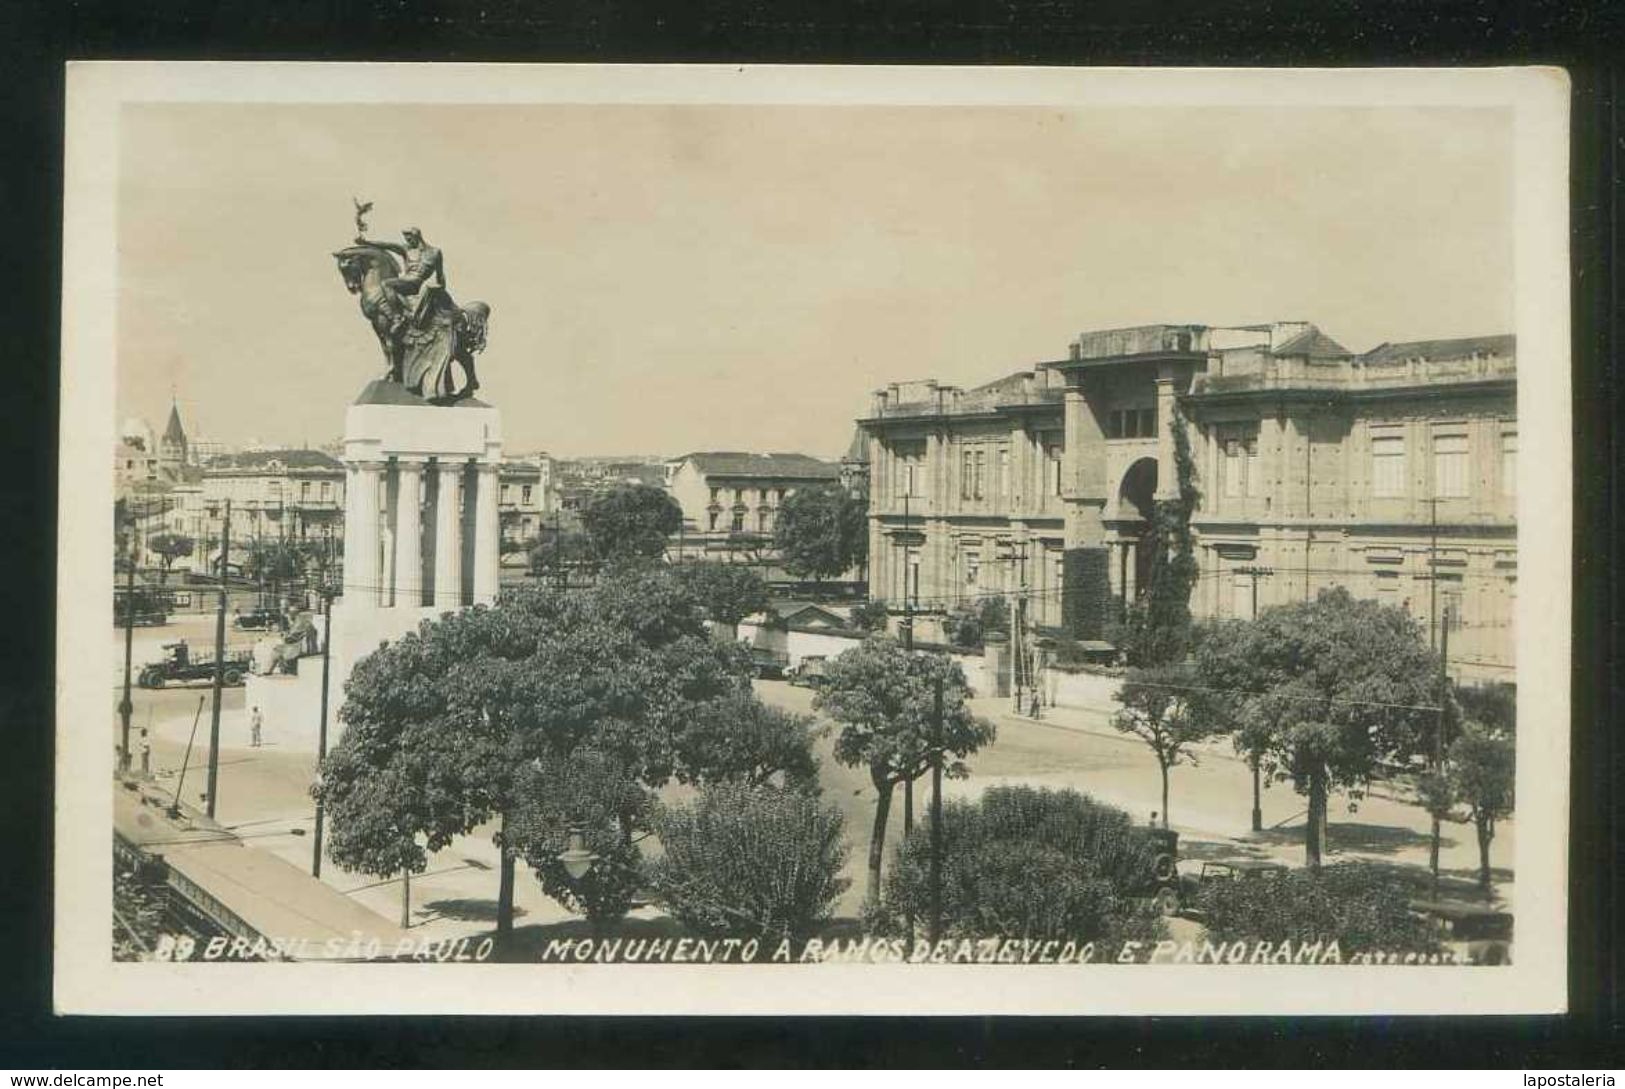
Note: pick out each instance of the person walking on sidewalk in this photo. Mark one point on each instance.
(255, 722)
(146, 754)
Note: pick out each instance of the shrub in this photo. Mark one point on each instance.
(870, 616)
(1359, 905)
(755, 861)
(1028, 863)
(970, 623)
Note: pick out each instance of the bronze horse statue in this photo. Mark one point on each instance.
(421, 338)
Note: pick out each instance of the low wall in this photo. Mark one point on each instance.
(798, 643)
(1061, 688)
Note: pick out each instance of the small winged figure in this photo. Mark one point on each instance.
(360, 213)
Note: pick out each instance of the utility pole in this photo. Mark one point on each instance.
(1438, 738)
(1433, 573)
(219, 661)
(125, 706)
(908, 607)
(936, 814)
(321, 726)
(1252, 761)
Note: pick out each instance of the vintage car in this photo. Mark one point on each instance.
(1160, 883)
(258, 619)
(768, 664)
(1475, 933)
(809, 672)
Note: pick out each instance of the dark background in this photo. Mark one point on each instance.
(36, 39)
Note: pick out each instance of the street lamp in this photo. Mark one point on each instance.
(576, 858)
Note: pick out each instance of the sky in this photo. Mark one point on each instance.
(672, 278)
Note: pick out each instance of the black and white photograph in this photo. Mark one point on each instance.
(742, 540)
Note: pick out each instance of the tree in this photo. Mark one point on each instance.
(885, 698)
(738, 738)
(556, 551)
(1157, 627)
(1332, 688)
(1162, 709)
(631, 521)
(870, 616)
(822, 532)
(275, 561)
(727, 592)
(969, 624)
(170, 547)
(1482, 775)
(548, 709)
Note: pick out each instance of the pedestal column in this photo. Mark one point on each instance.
(361, 576)
(409, 534)
(487, 548)
(448, 535)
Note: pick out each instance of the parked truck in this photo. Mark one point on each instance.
(180, 665)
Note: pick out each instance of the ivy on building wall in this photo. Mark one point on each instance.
(1157, 627)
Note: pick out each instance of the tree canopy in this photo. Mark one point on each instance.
(728, 592)
(822, 532)
(1164, 708)
(631, 521)
(1327, 689)
(884, 697)
(170, 547)
(447, 726)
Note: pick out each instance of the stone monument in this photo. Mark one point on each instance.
(421, 456)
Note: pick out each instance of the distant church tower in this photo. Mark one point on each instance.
(172, 447)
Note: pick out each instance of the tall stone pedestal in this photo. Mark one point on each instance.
(421, 538)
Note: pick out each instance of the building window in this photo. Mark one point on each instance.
(976, 479)
(1450, 601)
(1450, 466)
(1509, 463)
(712, 524)
(506, 493)
(327, 490)
(973, 567)
(714, 495)
(1255, 474)
(1234, 470)
(524, 494)
(1388, 588)
(1004, 472)
(738, 524)
(1388, 466)
(1053, 457)
(911, 471)
(304, 491)
(964, 474)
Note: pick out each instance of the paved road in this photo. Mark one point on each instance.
(264, 794)
(1209, 804)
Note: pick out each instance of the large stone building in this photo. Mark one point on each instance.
(1392, 473)
(727, 494)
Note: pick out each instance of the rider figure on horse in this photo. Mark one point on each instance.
(422, 261)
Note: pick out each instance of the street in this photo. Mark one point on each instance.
(264, 796)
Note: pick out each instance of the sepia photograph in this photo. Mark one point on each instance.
(753, 540)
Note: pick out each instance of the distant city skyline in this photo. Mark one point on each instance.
(681, 278)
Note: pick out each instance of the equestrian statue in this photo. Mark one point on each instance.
(421, 330)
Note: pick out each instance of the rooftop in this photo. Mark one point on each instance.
(787, 466)
(1439, 351)
(273, 459)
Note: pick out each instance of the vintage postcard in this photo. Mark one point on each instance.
(782, 540)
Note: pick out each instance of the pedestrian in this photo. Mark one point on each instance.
(255, 722)
(146, 755)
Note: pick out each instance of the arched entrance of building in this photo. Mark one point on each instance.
(1136, 496)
